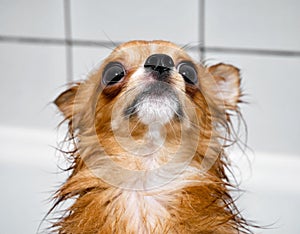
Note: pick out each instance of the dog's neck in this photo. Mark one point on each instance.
(193, 202)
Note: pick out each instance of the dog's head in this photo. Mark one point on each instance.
(148, 103)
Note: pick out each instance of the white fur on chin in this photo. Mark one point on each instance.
(152, 110)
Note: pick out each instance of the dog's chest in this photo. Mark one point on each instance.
(140, 212)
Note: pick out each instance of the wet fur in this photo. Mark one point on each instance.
(194, 202)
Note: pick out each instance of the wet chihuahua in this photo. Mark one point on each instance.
(149, 130)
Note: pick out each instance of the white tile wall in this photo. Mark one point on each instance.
(26, 189)
(134, 19)
(255, 24)
(32, 18)
(29, 176)
(31, 77)
(272, 88)
(86, 59)
(270, 197)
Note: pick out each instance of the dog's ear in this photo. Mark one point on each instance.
(228, 82)
(65, 101)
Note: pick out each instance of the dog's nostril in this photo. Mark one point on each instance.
(159, 62)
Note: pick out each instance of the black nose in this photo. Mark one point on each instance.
(159, 63)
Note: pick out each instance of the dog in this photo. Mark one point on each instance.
(149, 129)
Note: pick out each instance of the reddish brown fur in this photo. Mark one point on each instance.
(201, 203)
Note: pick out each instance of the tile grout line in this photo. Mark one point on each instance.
(68, 40)
(105, 44)
(249, 51)
(201, 22)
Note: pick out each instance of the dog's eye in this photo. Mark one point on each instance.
(113, 73)
(188, 72)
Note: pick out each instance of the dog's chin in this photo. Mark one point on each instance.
(158, 103)
(157, 110)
